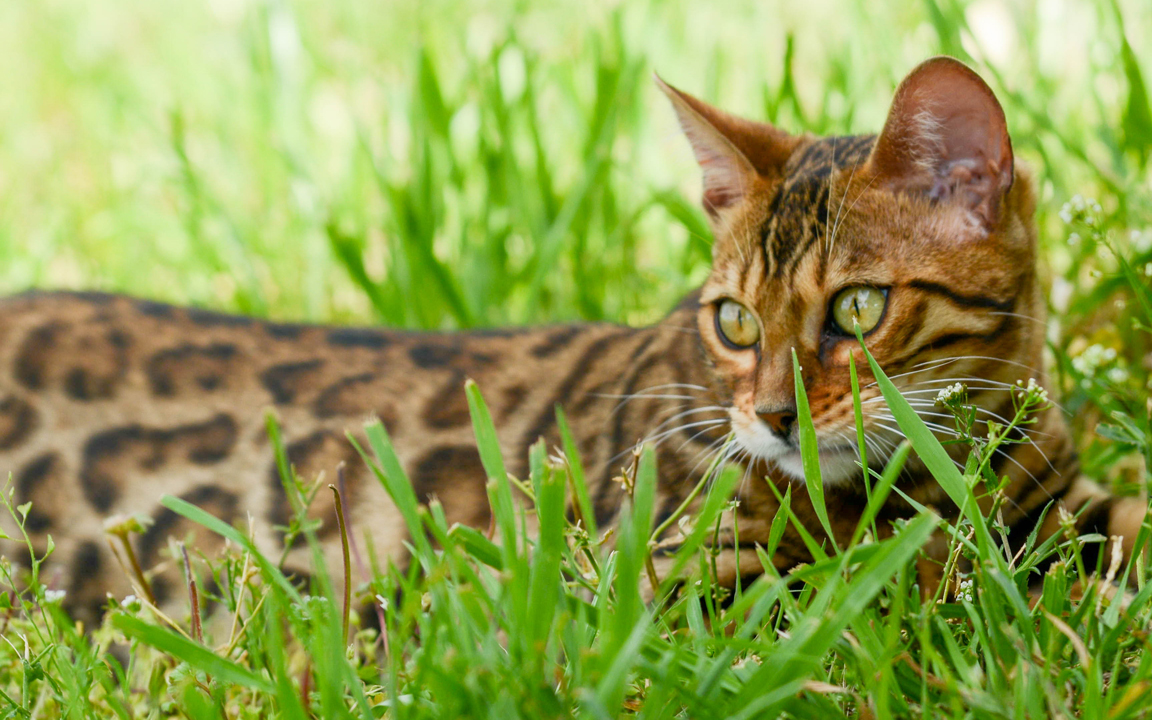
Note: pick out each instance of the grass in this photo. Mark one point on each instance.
(440, 166)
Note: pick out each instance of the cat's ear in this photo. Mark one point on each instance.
(946, 137)
(732, 152)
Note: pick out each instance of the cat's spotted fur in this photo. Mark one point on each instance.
(107, 402)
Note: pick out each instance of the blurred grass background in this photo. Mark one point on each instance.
(485, 162)
(444, 164)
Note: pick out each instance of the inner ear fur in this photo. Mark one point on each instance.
(734, 154)
(946, 138)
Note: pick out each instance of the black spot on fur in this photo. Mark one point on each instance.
(29, 483)
(284, 381)
(285, 331)
(343, 398)
(359, 337)
(427, 355)
(211, 318)
(30, 358)
(85, 598)
(449, 408)
(557, 340)
(205, 366)
(154, 309)
(18, 420)
(456, 477)
(110, 456)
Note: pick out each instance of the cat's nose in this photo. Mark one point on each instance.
(780, 420)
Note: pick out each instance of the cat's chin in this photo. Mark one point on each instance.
(838, 465)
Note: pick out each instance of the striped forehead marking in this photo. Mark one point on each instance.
(798, 212)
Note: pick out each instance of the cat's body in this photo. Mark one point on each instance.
(923, 234)
(107, 403)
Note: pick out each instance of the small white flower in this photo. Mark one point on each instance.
(384, 604)
(1118, 375)
(1094, 358)
(1074, 239)
(965, 591)
(951, 393)
(1032, 390)
(131, 603)
(1141, 240)
(54, 596)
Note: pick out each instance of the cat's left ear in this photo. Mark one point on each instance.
(946, 138)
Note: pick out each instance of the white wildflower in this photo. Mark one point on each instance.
(54, 596)
(131, 604)
(1141, 240)
(1080, 209)
(1093, 358)
(1032, 390)
(966, 592)
(384, 604)
(951, 393)
(1074, 239)
(1118, 375)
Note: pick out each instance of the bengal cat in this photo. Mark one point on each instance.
(923, 234)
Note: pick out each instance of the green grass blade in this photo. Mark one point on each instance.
(493, 460)
(809, 452)
(931, 453)
(576, 467)
(545, 578)
(201, 517)
(391, 475)
(189, 651)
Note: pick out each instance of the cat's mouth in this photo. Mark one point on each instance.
(838, 463)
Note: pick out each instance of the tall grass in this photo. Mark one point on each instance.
(437, 165)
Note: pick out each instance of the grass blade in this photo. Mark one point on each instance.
(809, 452)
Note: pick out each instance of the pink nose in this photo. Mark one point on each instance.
(781, 422)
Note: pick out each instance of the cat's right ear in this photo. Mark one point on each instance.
(733, 153)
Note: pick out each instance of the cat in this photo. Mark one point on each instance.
(922, 235)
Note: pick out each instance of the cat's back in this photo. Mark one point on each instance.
(108, 403)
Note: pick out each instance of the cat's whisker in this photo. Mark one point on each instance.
(714, 447)
(692, 411)
(654, 388)
(927, 365)
(953, 433)
(691, 439)
(948, 380)
(658, 438)
(665, 420)
(836, 222)
(996, 416)
(651, 393)
(997, 386)
(1036, 320)
(990, 358)
(853, 206)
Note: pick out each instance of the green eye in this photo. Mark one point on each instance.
(736, 325)
(864, 305)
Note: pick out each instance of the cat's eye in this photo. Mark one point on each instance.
(736, 325)
(864, 305)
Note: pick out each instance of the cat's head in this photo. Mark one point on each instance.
(923, 235)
